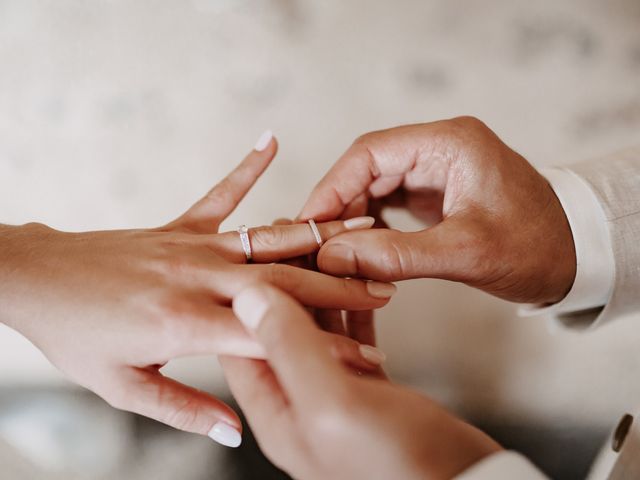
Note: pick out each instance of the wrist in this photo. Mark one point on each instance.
(20, 246)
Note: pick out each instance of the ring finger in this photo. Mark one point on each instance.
(279, 242)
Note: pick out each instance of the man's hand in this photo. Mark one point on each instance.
(496, 223)
(316, 419)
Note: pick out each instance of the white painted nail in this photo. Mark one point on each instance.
(250, 306)
(264, 141)
(359, 223)
(225, 435)
(381, 290)
(372, 354)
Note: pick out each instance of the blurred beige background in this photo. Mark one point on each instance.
(117, 114)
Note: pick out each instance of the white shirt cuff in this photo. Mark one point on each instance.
(502, 465)
(595, 268)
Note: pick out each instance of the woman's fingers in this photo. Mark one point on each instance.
(205, 330)
(257, 391)
(310, 288)
(296, 350)
(360, 327)
(209, 212)
(354, 354)
(330, 320)
(149, 393)
(280, 242)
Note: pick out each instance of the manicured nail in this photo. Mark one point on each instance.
(225, 435)
(372, 354)
(359, 223)
(381, 290)
(250, 306)
(264, 141)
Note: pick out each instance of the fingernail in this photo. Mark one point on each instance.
(372, 354)
(225, 435)
(264, 141)
(359, 223)
(381, 290)
(250, 306)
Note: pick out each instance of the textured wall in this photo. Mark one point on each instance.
(120, 113)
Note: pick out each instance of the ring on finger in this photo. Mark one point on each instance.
(243, 231)
(316, 232)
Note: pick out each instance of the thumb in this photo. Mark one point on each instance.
(147, 392)
(391, 255)
(298, 353)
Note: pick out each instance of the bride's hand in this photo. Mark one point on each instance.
(110, 308)
(316, 420)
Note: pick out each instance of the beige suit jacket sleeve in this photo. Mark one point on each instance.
(616, 182)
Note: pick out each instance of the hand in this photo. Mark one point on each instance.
(357, 324)
(317, 420)
(110, 308)
(499, 226)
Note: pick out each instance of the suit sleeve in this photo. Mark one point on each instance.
(602, 204)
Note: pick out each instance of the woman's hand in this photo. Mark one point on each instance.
(110, 308)
(317, 420)
(498, 224)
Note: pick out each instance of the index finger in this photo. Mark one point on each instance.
(375, 165)
(208, 213)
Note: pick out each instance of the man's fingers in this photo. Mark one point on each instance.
(296, 350)
(357, 208)
(376, 164)
(347, 180)
(149, 393)
(207, 214)
(280, 242)
(391, 255)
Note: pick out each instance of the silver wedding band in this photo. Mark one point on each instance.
(246, 243)
(316, 232)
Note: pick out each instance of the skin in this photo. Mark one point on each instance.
(491, 220)
(316, 419)
(110, 308)
(355, 324)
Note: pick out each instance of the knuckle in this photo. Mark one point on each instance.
(364, 139)
(218, 193)
(469, 122)
(469, 129)
(268, 238)
(280, 275)
(183, 416)
(392, 257)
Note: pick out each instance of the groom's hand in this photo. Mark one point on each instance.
(497, 224)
